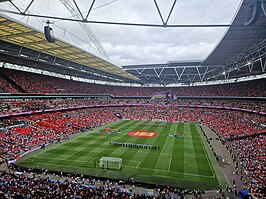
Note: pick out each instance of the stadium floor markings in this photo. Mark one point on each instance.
(129, 166)
(170, 163)
(137, 163)
(188, 174)
(118, 151)
(81, 161)
(98, 146)
(207, 156)
(152, 163)
(115, 150)
(167, 147)
(61, 159)
(91, 160)
(128, 150)
(94, 158)
(55, 164)
(177, 151)
(190, 153)
(122, 150)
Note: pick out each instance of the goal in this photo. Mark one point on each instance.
(110, 163)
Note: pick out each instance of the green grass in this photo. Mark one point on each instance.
(184, 162)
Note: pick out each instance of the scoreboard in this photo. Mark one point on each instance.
(163, 95)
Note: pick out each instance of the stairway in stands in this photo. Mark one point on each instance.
(17, 87)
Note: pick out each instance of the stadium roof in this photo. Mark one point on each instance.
(239, 39)
(241, 52)
(24, 42)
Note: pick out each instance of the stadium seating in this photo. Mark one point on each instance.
(21, 105)
(17, 186)
(19, 134)
(5, 87)
(36, 130)
(36, 83)
(225, 123)
(252, 156)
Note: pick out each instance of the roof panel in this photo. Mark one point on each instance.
(239, 38)
(15, 32)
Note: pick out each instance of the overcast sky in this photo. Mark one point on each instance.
(127, 45)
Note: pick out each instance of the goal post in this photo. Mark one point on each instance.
(110, 163)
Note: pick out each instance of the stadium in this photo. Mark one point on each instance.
(75, 124)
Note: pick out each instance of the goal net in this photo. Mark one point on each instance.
(110, 163)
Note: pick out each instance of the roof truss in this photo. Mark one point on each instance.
(22, 36)
(82, 19)
(170, 74)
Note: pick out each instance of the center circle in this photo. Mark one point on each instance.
(143, 134)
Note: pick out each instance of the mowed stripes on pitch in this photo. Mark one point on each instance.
(179, 160)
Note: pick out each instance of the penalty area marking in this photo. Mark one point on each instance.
(92, 159)
(189, 174)
(63, 159)
(137, 166)
(135, 161)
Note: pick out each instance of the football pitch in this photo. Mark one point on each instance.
(182, 157)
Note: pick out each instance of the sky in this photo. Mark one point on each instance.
(129, 45)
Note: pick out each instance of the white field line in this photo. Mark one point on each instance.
(130, 160)
(93, 159)
(137, 166)
(141, 151)
(170, 162)
(207, 156)
(132, 166)
(159, 170)
(54, 164)
(138, 163)
(189, 174)
(63, 159)
(129, 166)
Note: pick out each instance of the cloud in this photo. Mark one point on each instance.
(142, 45)
(158, 52)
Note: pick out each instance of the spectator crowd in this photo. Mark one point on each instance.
(10, 106)
(37, 83)
(17, 185)
(22, 133)
(251, 153)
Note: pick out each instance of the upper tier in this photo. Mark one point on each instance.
(35, 83)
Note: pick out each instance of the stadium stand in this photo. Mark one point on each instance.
(32, 186)
(23, 133)
(20, 134)
(5, 87)
(251, 153)
(21, 105)
(36, 83)
(31, 118)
